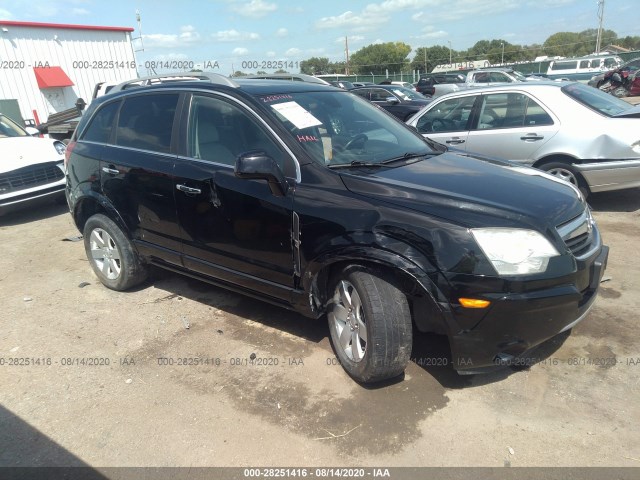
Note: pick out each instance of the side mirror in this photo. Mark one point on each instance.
(393, 100)
(616, 77)
(257, 164)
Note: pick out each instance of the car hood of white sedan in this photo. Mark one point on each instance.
(19, 152)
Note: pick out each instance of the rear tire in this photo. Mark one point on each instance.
(370, 325)
(620, 92)
(111, 255)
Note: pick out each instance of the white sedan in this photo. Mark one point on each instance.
(31, 169)
(570, 130)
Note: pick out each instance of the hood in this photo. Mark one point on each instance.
(466, 190)
(18, 152)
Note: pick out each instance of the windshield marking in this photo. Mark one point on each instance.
(296, 114)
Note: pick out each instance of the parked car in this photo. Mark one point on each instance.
(626, 83)
(316, 200)
(572, 131)
(407, 85)
(399, 101)
(32, 168)
(342, 84)
(427, 83)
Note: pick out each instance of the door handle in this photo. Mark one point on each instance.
(531, 137)
(455, 141)
(111, 171)
(188, 190)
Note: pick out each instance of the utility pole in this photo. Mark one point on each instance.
(449, 51)
(502, 61)
(425, 60)
(601, 18)
(346, 49)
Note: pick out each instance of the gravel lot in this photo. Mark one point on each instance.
(111, 379)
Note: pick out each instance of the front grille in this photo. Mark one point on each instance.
(578, 234)
(29, 177)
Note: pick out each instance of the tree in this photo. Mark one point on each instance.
(378, 58)
(315, 66)
(436, 55)
(571, 44)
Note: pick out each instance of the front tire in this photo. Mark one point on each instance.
(370, 325)
(111, 255)
(566, 172)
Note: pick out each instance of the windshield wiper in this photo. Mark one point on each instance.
(409, 156)
(357, 163)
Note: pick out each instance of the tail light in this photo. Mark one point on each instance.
(67, 153)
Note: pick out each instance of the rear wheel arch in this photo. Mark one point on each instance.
(89, 206)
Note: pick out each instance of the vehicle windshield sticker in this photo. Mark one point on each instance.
(275, 98)
(297, 115)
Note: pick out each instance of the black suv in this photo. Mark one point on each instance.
(312, 198)
(427, 83)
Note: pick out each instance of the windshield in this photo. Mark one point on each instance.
(406, 94)
(596, 99)
(9, 128)
(339, 128)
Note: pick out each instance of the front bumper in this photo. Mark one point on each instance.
(31, 198)
(518, 322)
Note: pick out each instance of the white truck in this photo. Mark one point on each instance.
(453, 82)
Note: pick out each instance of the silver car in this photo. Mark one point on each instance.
(568, 129)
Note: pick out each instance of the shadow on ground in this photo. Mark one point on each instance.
(617, 201)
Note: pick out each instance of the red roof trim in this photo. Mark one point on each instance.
(51, 77)
(65, 26)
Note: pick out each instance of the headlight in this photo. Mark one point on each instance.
(515, 251)
(60, 147)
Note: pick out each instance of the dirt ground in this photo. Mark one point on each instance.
(111, 378)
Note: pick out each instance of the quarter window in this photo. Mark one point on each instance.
(146, 122)
(101, 126)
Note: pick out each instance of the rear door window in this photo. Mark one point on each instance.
(146, 122)
(511, 110)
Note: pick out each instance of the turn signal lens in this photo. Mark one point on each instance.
(474, 303)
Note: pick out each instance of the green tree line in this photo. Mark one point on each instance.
(394, 56)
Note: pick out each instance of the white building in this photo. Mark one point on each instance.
(46, 67)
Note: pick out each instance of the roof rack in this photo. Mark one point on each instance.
(300, 77)
(174, 77)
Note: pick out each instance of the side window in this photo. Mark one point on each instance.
(364, 93)
(146, 122)
(220, 131)
(511, 110)
(585, 64)
(101, 126)
(492, 111)
(380, 95)
(448, 116)
(498, 77)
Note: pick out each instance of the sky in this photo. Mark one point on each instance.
(227, 35)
